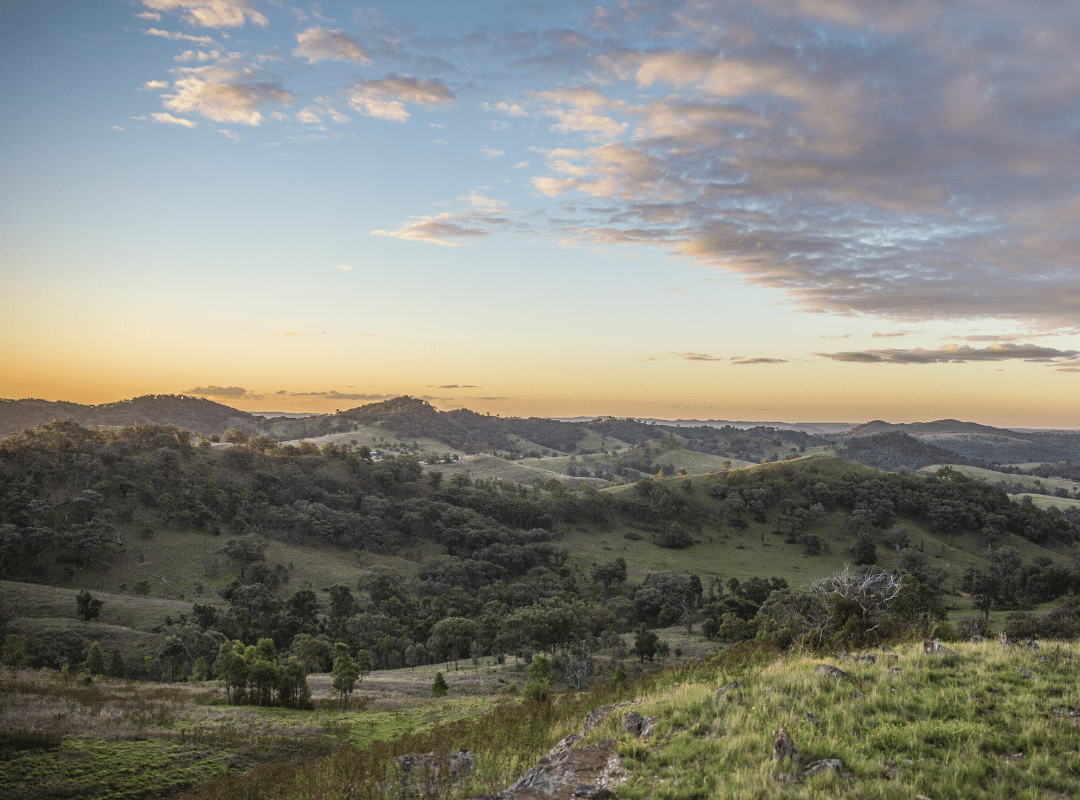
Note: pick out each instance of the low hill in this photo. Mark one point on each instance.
(195, 414)
(894, 451)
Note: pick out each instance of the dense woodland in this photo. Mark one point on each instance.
(72, 496)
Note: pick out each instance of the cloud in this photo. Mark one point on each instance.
(210, 13)
(343, 267)
(698, 357)
(169, 119)
(502, 107)
(491, 152)
(218, 391)
(456, 386)
(671, 287)
(193, 55)
(320, 44)
(580, 109)
(386, 99)
(225, 92)
(759, 361)
(954, 354)
(482, 216)
(181, 36)
(332, 395)
(891, 335)
(444, 229)
(156, 85)
(878, 159)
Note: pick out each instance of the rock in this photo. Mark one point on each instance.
(595, 717)
(591, 791)
(857, 695)
(825, 765)
(1032, 644)
(830, 670)
(864, 658)
(567, 772)
(429, 774)
(937, 648)
(895, 671)
(727, 687)
(1027, 673)
(783, 746)
(812, 717)
(976, 639)
(1005, 641)
(638, 725)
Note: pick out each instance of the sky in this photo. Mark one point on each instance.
(791, 210)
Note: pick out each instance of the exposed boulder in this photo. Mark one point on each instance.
(783, 746)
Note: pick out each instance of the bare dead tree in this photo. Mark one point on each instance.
(872, 590)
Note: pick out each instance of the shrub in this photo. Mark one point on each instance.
(439, 687)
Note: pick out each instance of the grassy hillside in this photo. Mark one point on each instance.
(973, 721)
(993, 477)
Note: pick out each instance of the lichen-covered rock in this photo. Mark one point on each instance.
(783, 746)
(937, 648)
(830, 670)
(825, 765)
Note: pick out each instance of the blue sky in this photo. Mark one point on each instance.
(793, 209)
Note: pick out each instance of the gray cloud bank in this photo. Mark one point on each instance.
(953, 354)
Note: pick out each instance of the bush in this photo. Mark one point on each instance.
(439, 687)
(674, 536)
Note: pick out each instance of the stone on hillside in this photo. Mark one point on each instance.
(825, 765)
(830, 670)
(1026, 673)
(783, 746)
(864, 658)
(1005, 641)
(937, 648)
(638, 725)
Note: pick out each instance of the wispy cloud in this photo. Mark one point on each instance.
(210, 13)
(953, 354)
(320, 44)
(759, 361)
(343, 267)
(217, 391)
(186, 37)
(386, 98)
(169, 119)
(229, 91)
(698, 357)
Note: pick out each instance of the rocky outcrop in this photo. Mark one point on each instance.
(783, 747)
(569, 771)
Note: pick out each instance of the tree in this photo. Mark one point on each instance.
(645, 643)
(865, 551)
(246, 550)
(898, 538)
(541, 676)
(439, 687)
(612, 572)
(87, 606)
(95, 663)
(15, 653)
(235, 436)
(345, 671)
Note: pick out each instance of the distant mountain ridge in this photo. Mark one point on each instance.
(196, 414)
(924, 428)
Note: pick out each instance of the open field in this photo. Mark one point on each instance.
(993, 477)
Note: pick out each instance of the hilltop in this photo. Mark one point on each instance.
(196, 414)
